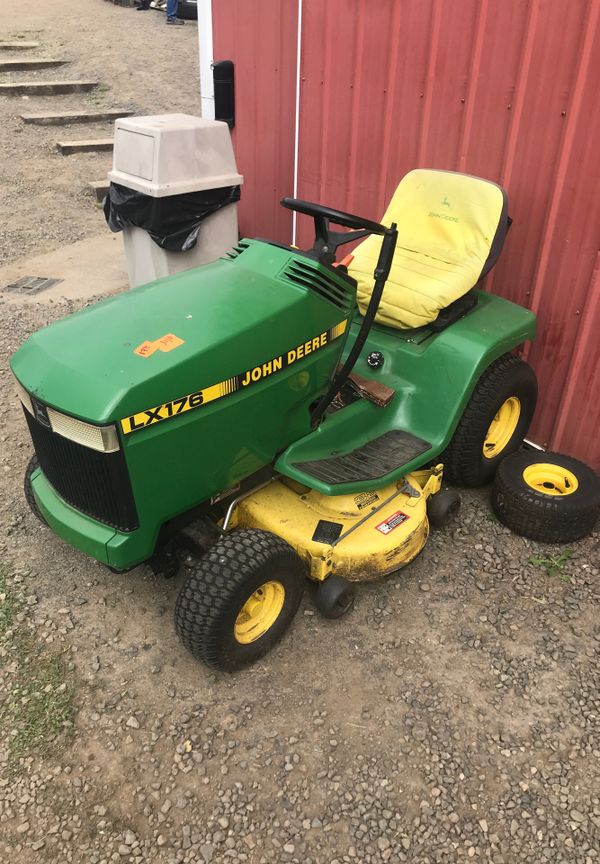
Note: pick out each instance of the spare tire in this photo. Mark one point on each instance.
(546, 496)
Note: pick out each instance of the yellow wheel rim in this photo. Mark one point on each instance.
(502, 427)
(259, 612)
(550, 479)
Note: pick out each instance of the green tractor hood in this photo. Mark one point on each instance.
(174, 336)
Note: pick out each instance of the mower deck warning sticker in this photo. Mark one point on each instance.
(392, 522)
(143, 419)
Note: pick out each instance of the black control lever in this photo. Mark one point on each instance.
(382, 271)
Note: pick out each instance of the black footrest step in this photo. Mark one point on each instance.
(374, 459)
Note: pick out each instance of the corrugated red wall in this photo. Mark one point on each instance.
(261, 38)
(506, 89)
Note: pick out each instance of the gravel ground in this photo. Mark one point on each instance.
(453, 715)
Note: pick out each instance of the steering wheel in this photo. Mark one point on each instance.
(326, 241)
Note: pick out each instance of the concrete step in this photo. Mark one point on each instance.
(69, 117)
(100, 189)
(27, 63)
(46, 88)
(18, 45)
(89, 146)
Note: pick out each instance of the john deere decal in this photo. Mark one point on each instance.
(149, 416)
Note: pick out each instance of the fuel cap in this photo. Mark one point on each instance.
(375, 360)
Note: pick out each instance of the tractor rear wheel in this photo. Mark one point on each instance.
(32, 466)
(240, 599)
(493, 424)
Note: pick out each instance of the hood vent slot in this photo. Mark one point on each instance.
(319, 282)
(236, 251)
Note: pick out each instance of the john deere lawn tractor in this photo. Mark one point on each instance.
(282, 414)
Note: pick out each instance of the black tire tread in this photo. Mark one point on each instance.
(442, 507)
(204, 597)
(546, 518)
(460, 467)
(328, 594)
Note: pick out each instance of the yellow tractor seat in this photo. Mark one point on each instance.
(451, 228)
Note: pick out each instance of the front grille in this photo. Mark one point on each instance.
(95, 483)
(305, 274)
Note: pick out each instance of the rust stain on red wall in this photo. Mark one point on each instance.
(505, 90)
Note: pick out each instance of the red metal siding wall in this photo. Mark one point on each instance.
(506, 89)
(261, 38)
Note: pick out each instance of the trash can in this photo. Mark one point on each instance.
(173, 192)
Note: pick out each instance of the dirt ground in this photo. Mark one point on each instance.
(453, 715)
(141, 64)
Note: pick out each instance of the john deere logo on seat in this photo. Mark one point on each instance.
(443, 216)
(445, 202)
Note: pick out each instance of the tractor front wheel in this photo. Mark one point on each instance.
(240, 599)
(493, 424)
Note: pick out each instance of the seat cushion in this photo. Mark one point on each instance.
(451, 228)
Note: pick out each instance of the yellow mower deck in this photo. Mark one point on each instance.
(359, 537)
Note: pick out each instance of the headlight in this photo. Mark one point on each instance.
(101, 438)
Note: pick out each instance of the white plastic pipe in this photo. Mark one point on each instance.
(297, 118)
(205, 47)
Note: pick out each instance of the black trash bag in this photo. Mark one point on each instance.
(172, 222)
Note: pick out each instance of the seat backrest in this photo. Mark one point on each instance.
(451, 228)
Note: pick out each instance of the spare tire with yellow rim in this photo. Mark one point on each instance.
(493, 424)
(240, 598)
(546, 496)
